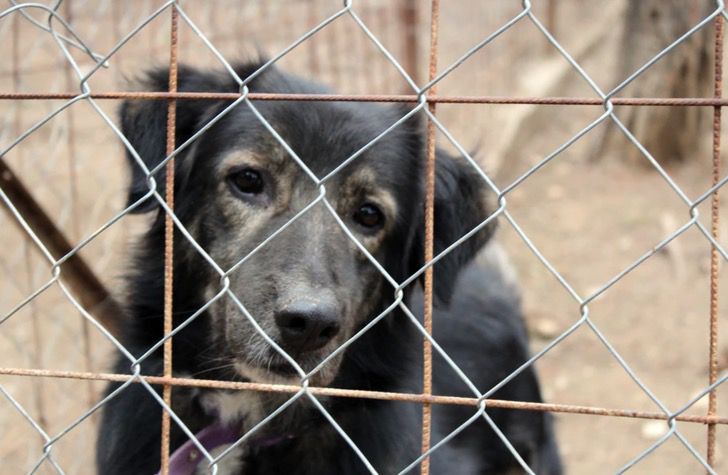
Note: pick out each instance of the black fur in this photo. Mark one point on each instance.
(477, 319)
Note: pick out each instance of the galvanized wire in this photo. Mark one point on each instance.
(424, 98)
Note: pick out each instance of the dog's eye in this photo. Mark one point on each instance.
(247, 181)
(369, 216)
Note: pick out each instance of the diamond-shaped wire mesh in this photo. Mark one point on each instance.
(62, 145)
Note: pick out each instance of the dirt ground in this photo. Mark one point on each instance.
(591, 218)
(656, 317)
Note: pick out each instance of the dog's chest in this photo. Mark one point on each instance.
(231, 407)
(231, 464)
(242, 408)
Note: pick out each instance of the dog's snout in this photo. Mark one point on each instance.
(306, 325)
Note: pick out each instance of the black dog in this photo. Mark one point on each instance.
(311, 288)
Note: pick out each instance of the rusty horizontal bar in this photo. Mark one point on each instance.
(566, 101)
(364, 394)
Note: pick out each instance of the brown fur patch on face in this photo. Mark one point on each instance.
(363, 187)
(278, 174)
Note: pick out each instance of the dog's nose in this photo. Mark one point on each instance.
(305, 325)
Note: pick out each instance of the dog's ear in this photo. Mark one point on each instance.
(463, 201)
(144, 124)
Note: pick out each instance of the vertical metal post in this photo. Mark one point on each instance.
(169, 240)
(429, 241)
(714, 256)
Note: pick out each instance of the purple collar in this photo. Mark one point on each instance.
(187, 457)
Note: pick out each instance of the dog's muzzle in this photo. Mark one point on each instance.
(306, 325)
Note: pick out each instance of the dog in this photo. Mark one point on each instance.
(311, 288)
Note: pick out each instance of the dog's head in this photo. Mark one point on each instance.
(286, 241)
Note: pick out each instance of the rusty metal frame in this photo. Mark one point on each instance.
(91, 291)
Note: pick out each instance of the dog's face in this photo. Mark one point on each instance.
(309, 287)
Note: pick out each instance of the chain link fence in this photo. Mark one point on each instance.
(67, 63)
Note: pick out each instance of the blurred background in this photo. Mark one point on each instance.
(592, 211)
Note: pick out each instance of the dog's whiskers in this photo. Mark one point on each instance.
(214, 368)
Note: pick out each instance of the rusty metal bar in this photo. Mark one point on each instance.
(714, 256)
(364, 394)
(429, 243)
(169, 241)
(264, 96)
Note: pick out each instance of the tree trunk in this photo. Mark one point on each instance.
(670, 134)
